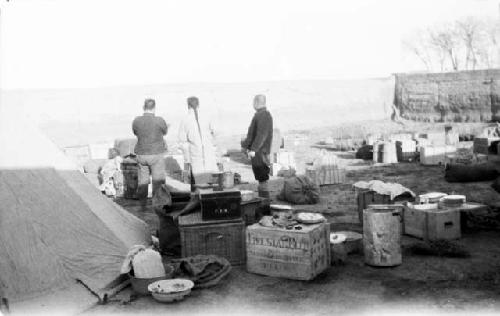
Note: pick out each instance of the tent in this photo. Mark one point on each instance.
(62, 242)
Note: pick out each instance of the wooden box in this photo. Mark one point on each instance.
(325, 175)
(484, 145)
(366, 198)
(224, 238)
(435, 155)
(406, 150)
(292, 254)
(432, 224)
(130, 172)
(220, 204)
(469, 212)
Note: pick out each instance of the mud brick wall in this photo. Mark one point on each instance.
(464, 96)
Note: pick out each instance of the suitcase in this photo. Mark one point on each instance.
(220, 204)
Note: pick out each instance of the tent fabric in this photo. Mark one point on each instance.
(62, 242)
(128, 228)
(51, 238)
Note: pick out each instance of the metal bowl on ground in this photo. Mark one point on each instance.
(140, 285)
(169, 291)
(353, 241)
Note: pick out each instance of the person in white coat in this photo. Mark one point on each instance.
(196, 137)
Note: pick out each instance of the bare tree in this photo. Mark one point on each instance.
(468, 43)
(468, 29)
(445, 40)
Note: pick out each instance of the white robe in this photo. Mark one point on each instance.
(198, 143)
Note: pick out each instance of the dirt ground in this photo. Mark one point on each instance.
(421, 284)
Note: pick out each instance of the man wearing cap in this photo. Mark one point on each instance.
(150, 149)
(258, 143)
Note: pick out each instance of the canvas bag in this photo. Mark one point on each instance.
(299, 190)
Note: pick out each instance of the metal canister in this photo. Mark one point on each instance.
(228, 180)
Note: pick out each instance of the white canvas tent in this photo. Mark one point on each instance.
(62, 242)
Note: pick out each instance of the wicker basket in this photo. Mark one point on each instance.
(224, 238)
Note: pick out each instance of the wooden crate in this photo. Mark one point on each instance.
(366, 198)
(130, 171)
(468, 212)
(326, 175)
(483, 145)
(224, 238)
(432, 224)
(292, 254)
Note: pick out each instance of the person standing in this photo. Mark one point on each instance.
(258, 143)
(150, 149)
(197, 138)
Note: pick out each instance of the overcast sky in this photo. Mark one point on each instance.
(93, 43)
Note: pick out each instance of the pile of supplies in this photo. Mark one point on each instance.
(150, 275)
(379, 192)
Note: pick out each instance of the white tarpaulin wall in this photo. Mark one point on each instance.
(59, 236)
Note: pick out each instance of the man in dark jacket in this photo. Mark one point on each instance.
(258, 143)
(150, 149)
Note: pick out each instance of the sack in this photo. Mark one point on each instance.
(470, 173)
(147, 264)
(299, 190)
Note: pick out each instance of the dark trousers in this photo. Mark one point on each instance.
(261, 166)
(150, 166)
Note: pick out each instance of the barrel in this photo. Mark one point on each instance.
(382, 235)
(130, 172)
